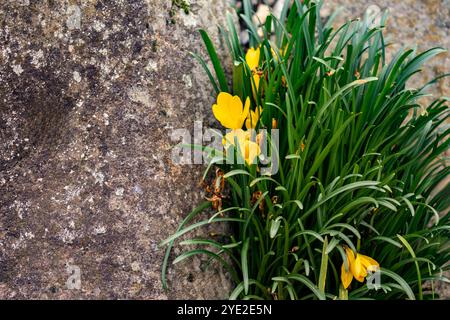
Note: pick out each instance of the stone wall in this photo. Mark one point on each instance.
(89, 91)
(411, 23)
(420, 24)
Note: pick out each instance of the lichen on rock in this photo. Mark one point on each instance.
(89, 91)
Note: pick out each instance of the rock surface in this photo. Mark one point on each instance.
(89, 91)
(411, 24)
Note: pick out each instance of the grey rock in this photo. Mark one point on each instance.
(89, 91)
(411, 24)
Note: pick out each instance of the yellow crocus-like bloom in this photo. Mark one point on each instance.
(357, 267)
(248, 149)
(253, 118)
(230, 111)
(239, 135)
(252, 58)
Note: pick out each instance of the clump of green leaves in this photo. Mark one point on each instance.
(362, 164)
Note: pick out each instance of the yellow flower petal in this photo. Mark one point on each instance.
(223, 116)
(361, 265)
(358, 269)
(224, 98)
(246, 110)
(369, 263)
(250, 150)
(253, 118)
(230, 138)
(350, 255)
(252, 58)
(358, 266)
(229, 110)
(346, 276)
(360, 279)
(260, 138)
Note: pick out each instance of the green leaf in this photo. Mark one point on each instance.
(244, 262)
(302, 279)
(274, 226)
(386, 239)
(257, 180)
(188, 218)
(238, 79)
(240, 287)
(215, 61)
(403, 284)
(413, 254)
(236, 172)
(208, 72)
(346, 226)
(197, 225)
(323, 267)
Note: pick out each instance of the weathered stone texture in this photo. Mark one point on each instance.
(411, 24)
(89, 91)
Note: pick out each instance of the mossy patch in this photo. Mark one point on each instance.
(179, 4)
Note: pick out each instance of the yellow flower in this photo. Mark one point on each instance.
(360, 266)
(238, 134)
(253, 118)
(248, 149)
(229, 110)
(357, 267)
(252, 58)
(346, 275)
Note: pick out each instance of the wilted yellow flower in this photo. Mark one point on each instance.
(230, 111)
(346, 275)
(357, 267)
(274, 123)
(302, 146)
(248, 149)
(360, 266)
(253, 118)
